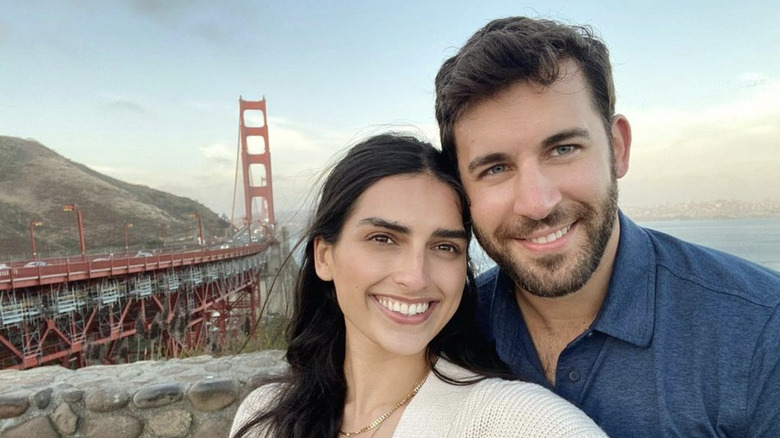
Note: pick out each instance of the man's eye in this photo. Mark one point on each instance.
(563, 150)
(498, 168)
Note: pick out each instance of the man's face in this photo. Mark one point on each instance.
(540, 170)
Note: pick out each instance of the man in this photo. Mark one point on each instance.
(649, 335)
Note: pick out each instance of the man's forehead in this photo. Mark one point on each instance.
(525, 95)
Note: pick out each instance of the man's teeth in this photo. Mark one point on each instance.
(403, 308)
(552, 237)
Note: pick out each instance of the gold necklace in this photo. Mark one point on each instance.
(384, 417)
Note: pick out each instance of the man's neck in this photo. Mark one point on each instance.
(554, 322)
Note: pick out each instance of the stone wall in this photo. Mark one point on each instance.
(194, 397)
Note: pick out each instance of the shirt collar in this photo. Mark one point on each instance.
(628, 311)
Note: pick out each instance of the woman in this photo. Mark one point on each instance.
(383, 341)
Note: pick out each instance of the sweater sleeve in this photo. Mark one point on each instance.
(256, 402)
(510, 409)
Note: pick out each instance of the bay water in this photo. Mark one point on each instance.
(754, 239)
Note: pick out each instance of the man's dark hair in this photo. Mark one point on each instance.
(515, 49)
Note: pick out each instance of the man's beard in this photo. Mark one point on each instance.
(555, 275)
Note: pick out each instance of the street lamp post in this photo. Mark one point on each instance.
(163, 227)
(34, 224)
(196, 215)
(127, 225)
(74, 207)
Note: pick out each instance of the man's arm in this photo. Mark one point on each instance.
(763, 402)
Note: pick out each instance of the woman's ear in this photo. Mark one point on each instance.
(323, 259)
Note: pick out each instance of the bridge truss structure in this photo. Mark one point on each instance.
(128, 309)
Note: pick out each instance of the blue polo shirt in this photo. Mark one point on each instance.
(687, 342)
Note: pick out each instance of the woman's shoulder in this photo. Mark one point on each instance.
(257, 402)
(507, 408)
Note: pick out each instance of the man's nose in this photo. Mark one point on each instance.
(536, 194)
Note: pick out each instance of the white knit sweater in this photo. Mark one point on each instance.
(490, 408)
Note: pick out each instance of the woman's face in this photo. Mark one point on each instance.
(399, 265)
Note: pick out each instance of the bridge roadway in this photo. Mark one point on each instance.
(124, 309)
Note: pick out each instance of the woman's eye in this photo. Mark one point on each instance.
(381, 238)
(448, 247)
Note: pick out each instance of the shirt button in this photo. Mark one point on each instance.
(574, 376)
(590, 334)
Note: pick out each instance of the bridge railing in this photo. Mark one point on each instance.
(67, 270)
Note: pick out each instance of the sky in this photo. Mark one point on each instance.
(147, 91)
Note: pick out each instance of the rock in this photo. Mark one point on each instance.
(107, 398)
(113, 426)
(14, 404)
(171, 424)
(213, 395)
(42, 398)
(155, 396)
(38, 427)
(73, 396)
(205, 358)
(173, 371)
(65, 420)
(217, 367)
(213, 427)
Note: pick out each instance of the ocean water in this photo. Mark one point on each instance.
(757, 240)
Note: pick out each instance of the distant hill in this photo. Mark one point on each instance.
(35, 182)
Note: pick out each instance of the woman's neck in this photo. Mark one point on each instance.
(376, 382)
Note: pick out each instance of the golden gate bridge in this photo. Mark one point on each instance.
(100, 309)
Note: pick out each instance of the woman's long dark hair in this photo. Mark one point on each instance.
(312, 397)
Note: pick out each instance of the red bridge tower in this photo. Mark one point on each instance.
(264, 189)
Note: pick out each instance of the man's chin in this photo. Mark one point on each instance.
(549, 277)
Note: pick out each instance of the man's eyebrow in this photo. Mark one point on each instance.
(450, 234)
(484, 160)
(498, 157)
(379, 222)
(565, 135)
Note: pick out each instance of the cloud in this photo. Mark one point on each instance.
(752, 79)
(126, 174)
(159, 8)
(125, 107)
(219, 153)
(727, 151)
(210, 32)
(210, 21)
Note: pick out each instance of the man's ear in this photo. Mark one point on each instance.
(322, 259)
(621, 144)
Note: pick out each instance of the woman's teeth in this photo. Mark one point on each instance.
(403, 308)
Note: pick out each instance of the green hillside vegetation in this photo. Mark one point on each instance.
(35, 182)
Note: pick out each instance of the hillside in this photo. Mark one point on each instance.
(35, 182)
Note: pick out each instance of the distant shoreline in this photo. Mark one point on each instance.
(703, 210)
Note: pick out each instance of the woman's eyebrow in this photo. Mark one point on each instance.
(441, 233)
(379, 222)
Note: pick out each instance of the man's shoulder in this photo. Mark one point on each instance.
(714, 270)
(488, 278)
